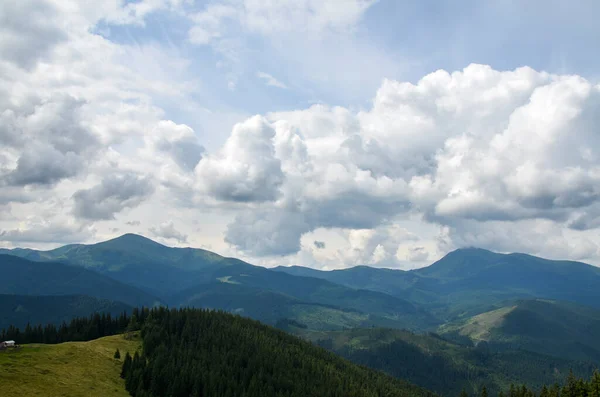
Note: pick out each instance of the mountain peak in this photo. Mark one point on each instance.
(132, 238)
(460, 262)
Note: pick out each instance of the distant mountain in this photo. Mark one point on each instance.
(137, 261)
(19, 310)
(470, 281)
(271, 307)
(186, 276)
(24, 277)
(269, 295)
(547, 327)
(441, 365)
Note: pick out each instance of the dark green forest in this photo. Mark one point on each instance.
(573, 387)
(78, 329)
(191, 352)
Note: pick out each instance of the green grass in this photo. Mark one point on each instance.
(67, 369)
(480, 327)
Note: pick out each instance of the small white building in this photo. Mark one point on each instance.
(7, 343)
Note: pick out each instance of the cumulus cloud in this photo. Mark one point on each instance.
(111, 196)
(246, 169)
(506, 160)
(177, 141)
(269, 232)
(477, 145)
(47, 138)
(28, 31)
(167, 230)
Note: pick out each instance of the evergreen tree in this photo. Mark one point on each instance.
(117, 354)
(484, 392)
(126, 365)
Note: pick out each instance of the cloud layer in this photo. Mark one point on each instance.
(477, 149)
(93, 143)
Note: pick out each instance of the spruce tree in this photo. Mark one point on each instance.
(484, 392)
(126, 365)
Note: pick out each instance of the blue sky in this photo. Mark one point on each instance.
(401, 40)
(325, 133)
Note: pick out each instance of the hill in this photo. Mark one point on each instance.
(441, 365)
(19, 310)
(85, 369)
(471, 281)
(40, 278)
(548, 327)
(196, 352)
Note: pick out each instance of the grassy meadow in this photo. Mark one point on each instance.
(67, 369)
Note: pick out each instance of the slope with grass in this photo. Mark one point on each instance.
(25, 277)
(73, 369)
(19, 310)
(547, 327)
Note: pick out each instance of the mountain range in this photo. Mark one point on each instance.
(468, 297)
(470, 281)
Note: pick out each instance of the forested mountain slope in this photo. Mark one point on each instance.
(203, 353)
(25, 277)
(548, 327)
(136, 260)
(20, 310)
(470, 281)
(443, 366)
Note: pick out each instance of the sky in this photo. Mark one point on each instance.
(321, 133)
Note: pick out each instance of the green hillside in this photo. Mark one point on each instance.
(443, 366)
(548, 327)
(25, 277)
(196, 352)
(19, 310)
(72, 369)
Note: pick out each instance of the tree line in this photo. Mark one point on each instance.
(78, 329)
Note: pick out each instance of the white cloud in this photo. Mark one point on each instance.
(223, 19)
(246, 169)
(270, 80)
(111, 196)
(477, 145)
(167, 230)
